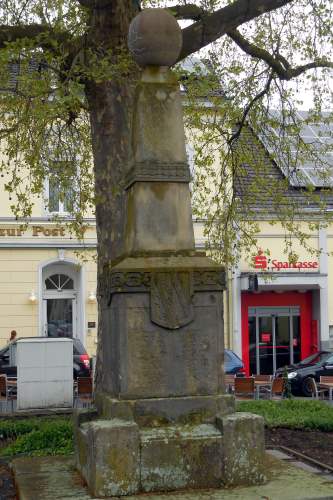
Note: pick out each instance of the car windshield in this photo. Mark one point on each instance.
(315, 358)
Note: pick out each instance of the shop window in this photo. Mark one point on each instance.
(59, 282)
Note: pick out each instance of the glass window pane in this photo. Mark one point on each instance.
(61, 194)
(53, 194)
(266, 348)
(60, 318)
(282, 339)
(59, 282)
(66, 283)
(50, 284)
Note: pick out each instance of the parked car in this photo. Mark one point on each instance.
(315, 366)
(81, 361)
(232, 363)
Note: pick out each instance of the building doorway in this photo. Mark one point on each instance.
(277, 329)
(60, 283)
(274, 336)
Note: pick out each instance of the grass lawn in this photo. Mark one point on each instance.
(292, 413)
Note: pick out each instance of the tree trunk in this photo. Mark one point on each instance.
(110, 105)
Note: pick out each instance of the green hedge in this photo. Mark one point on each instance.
(292, 413)
(37, 436)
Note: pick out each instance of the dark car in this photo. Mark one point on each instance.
(232, 363)
(315, 366)
(81, 361)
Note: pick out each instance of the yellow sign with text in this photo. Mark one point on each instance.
(36, 231)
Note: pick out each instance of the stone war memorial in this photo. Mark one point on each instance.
(163, 421)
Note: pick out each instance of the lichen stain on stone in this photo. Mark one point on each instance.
(160, 478)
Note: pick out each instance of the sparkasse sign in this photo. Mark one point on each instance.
(260, 261)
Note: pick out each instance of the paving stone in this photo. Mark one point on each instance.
(59, 480)
(278, 454)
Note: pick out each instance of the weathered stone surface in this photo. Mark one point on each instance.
(159, 213)
(164, 411)
(243, 448)
(108, 457)
(181, 457)
(155, 38)
(148, 361)
(153, 223)
(60, 481)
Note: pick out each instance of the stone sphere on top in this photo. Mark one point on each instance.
(155, 38)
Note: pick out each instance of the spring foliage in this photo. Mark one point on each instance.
(255, 67)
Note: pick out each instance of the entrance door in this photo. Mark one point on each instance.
(59, 309)
(274, 338)
(59, 317)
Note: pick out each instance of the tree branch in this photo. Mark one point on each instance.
(212, 26)
(278, 63)
(31, 31)
(95, 4)
(188, 11)
(87, 3)
(248, 108)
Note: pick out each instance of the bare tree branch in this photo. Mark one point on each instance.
(246, 111)
(277, 62)
(212, 26)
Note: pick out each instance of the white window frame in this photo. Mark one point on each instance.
(61, 212)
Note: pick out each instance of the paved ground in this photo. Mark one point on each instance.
(55, 478)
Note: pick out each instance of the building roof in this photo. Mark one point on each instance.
(264, 186)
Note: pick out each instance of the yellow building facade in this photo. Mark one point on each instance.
(47, 276)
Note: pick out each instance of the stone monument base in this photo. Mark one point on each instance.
(141, 446)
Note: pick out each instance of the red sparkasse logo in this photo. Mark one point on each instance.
(260, 260)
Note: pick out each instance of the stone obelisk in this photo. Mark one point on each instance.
(163, 420)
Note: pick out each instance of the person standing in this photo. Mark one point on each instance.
(13, 335)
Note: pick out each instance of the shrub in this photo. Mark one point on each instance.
(292, 413)
(38, 436)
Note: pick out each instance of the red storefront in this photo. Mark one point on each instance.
(277, 329)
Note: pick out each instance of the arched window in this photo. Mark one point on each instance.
(59, 282)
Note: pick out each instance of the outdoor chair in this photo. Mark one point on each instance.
(262, 384)
(229, 383)
(84, 392)
(277, 388)
(316, 392)
(244, 387)
(263, 378)
(326, 379)
(6, 394)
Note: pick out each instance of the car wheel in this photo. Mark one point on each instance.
(307, 387)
